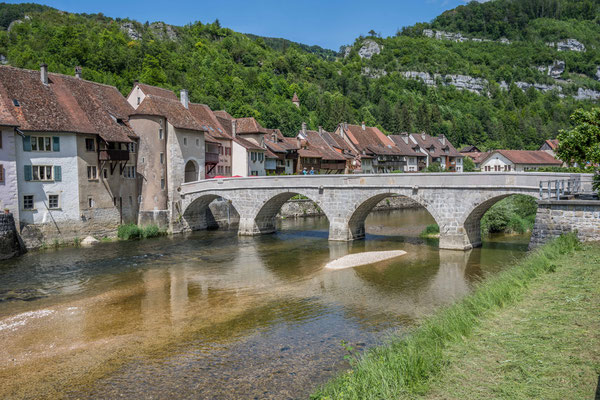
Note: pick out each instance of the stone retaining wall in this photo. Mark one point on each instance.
(220, 217)
(556, 217)
(10, 242)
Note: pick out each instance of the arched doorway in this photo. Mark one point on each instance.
(191, 171)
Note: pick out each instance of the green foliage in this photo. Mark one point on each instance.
(515, 214)
(430, 231)
(132, 231)
(468, 164)
(582, 143)
(407, 364)
(596, 183)
(434, 167)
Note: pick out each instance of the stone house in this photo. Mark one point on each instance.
(218, 156)
(171, 152)
(9, 190)
(439, 150)
(75, 155)
(377, 153)
(313, 143)
(415, 159)
(518, 160)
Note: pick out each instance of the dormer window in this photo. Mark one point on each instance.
(16, 103)
(139, 100)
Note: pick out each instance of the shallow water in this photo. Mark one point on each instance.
(212, 315)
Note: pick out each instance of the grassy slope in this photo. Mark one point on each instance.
(546, 346)
(407, 367)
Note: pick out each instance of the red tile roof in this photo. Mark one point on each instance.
(156, 91)
(371, 140)
(208, 120)
(317, 144)
(477, 157)
(406, 149)
(295, 98)
(434, 146)
(537, 157)
(247, 144)
(309, 153)
(65, 104)
(177, 115)
(553, 143)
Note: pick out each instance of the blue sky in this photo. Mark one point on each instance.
(327, 23)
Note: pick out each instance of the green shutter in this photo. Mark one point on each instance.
(55, 143)
(26, 143)
(28, 172)
(57, 173)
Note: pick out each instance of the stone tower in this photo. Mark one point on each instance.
(296, 100)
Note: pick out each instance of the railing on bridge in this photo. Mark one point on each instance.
(564, 188)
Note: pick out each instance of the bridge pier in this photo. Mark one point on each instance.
(250, 226)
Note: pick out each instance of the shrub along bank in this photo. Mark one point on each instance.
(132, 231)
(407, 366)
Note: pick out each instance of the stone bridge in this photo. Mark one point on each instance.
(456, 201)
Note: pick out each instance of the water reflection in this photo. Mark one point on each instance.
(215, 315)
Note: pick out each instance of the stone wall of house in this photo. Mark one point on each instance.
(10, 243)
(223, 216)
(556, 217)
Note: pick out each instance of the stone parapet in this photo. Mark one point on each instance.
(557, 217)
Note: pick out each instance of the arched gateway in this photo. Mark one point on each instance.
(456, 201)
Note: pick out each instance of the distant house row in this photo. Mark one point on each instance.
(514, 160)
(78, 158)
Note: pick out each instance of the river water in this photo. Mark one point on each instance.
(213, 315)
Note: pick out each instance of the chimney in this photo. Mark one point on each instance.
(304, 128)
(363, 126)
(233, 127)
(78, 72)
(44, 73)
(320, 130)
(183, 96)
(404, 137)
(443, 138)
(423, 135)
(345, 126)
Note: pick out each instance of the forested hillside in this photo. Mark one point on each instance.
(254, 76)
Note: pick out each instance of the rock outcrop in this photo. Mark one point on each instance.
(462, 82)
(373, 73)
(556, 69)
(586, 94)
(568, 45)
(369, 49)
(457, 37)
(129, 29)
(163, 31)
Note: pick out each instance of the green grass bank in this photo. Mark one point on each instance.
(133, 231)
(530, 331)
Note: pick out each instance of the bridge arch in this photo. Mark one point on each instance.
(263, 219)
(355, 227)
(471, 221)
(196, 215)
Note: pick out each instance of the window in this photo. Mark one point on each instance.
(162, 158)
(160, 133)
(220, 150)
(185, 141)
(90, 202)
(254, 173)
(115, 201)
(139, 100)
(261, 157)
(130, 200)
(28, 202)
(1, 173)
(16, 103)
(131, 147)
(197, 142)
(129, 172)
(162, 183)
(105, 173)
(41, 172)
(92, 172)
(253, 156)
(90, 145)
(41, 143)
(53, 201)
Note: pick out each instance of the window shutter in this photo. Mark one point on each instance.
(27, 143)
(55, 143)
(57, 173)
(28, 172)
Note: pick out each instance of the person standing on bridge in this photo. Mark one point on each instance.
(304, 171)
(312, 170)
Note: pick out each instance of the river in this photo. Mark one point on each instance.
(214, 315)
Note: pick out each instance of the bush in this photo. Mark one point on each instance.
(468, 164)
(515, 214)
(132, 231)
(434, 167)
(430, 230)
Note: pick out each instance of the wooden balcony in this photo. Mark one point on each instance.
(113, 155)
(211, 158)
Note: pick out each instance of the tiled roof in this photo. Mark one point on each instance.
(65, 104)
(208, 120)
(426, 142)
(477, 157)
(223, 114)
(470, 149)
(317, 144)
(177, 115)
(209, 138)
(371, 140)
(295, 97)
(406, 149)
(156, 91)
(553, 143)
(275, 146)
(309, 153)
(337, 142)
(270, 154)
(290, 143)
(247, 144)
(537, 157)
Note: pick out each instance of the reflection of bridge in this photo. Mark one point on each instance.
(456, 201)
